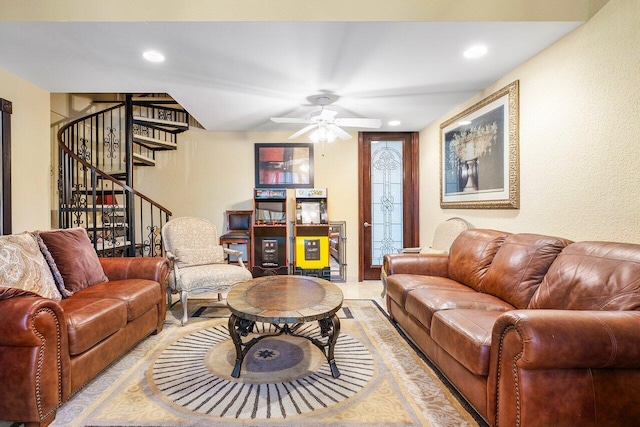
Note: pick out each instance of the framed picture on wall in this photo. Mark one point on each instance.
(479, 164)
(286, 165)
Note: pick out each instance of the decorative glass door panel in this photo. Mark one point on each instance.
(386, 199)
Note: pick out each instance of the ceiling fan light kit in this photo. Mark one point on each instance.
(322, 134)
(327, 127)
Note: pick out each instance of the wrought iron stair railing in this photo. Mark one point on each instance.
(97, 155)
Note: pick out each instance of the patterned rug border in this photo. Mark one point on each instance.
(454, 391)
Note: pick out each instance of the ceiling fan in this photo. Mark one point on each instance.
(327, 126)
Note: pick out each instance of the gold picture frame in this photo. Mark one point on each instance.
(479, 154)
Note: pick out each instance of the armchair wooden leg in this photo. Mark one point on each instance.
(183, 298)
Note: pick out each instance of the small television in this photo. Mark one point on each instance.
(310, 212)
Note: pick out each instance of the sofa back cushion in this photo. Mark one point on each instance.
(75, 257)
(520, 265)
(592, 276)
(471, 254)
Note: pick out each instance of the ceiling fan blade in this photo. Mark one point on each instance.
(359, 123)
(289, 120)
(338, 131)
(302, 131)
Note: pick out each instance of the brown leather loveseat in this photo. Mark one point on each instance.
(50, 347)
(532, 330)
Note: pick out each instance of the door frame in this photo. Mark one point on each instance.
(6, 109)
(411, 219)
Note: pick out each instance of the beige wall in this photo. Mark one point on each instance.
(212, 172)
(579, 144)
(30, 153)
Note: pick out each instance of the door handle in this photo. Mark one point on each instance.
(366, 224)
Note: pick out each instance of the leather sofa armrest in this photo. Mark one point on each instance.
(34, 358)
(22, 315)
(569, 339)
(416, 263)
(150, 268)
(558, 366)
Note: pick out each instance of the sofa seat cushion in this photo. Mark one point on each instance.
(91, 320)
(218, 277)
(424, 303)
(399, 285)
(466, 335)
(139, 295)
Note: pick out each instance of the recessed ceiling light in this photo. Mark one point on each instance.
(153, 56)
(476, 51)
(394, 122)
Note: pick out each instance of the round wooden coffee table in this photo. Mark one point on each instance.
(286, 302)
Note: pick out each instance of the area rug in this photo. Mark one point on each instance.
(181, 377)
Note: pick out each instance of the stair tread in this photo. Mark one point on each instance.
(159, 99)
(161, 122)
(146, 160)
(155, 141)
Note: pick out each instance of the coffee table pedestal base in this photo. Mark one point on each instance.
(329, 328)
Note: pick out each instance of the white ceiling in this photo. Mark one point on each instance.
(234, 76)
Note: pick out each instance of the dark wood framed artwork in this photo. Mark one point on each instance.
(284, 165)
(6, 108)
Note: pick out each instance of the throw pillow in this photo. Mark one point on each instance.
(75, 257)
(22, 266)
(57, 277)
(194, 257)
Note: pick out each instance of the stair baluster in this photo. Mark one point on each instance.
(95, 192)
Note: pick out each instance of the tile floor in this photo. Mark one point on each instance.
(371, 289)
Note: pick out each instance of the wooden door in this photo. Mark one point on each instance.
(388, 197)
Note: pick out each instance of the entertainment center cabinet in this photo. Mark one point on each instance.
(269, 232)
(311, 233)
(290, 244)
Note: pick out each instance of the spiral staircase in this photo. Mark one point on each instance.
(98, 156)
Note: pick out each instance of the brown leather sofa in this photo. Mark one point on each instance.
(50, 349)
(532, 330)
